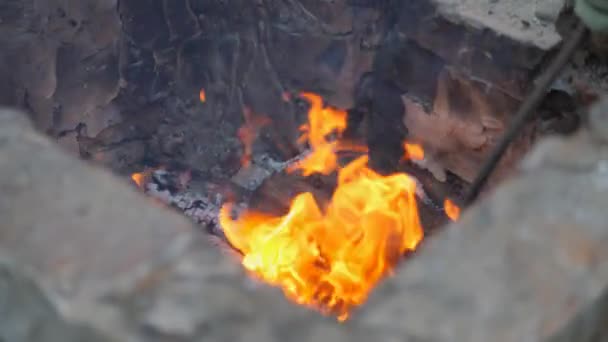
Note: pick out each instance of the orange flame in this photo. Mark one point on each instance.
(142, 178)
(451, 210)
(413, 151)
(202, 96)
(331, 258)
(323, 121)
(139, 179)
(249, 132)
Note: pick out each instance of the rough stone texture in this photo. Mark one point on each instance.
(27, 315)
(63, 58)
(109, 259)
(498, 42)
(519, 265)
(464, 66)
(103, 63)
(71, 241)
(527, 264)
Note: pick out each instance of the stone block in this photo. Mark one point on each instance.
(462, 125)
(499, 42)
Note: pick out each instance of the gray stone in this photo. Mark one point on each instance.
(61, 54)
(27, 315)
(498, 42)
(512, 18)
(520, 265)
(109, 258)
(76, 247)
(548, 10)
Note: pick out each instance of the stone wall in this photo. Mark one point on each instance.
(452, 72)
(63, 59)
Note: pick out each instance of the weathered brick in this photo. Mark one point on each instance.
(495, 41)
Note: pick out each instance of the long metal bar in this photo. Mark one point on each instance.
(526, 111)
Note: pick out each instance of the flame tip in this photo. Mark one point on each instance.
(451, 210)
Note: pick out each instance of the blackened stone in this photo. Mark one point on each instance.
(385, 131)
(143, 22)
(486, 46)
(318, 46)
(334, 56)
(411, 68)
(224, 16)
(181, 20)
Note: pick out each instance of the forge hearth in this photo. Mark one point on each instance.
(205, 106)
(329, 234)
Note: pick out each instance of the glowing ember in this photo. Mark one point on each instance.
(144, 177)
(330, 258)
(413, 151)
(141, 178)
(138, 178)
(451, 210)
(202, 95)
(249, 132)
(323, 121)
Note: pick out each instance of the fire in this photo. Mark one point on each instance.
(451, 210)
(413, 151)
(249, 132)
(202, 96)
(323, 121)
(330, 257)
(139, 178)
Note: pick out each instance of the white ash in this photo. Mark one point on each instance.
(425, 198)
(204, 208)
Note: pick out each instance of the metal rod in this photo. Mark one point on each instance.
(526, 111)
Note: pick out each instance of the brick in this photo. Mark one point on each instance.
(496, 41)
